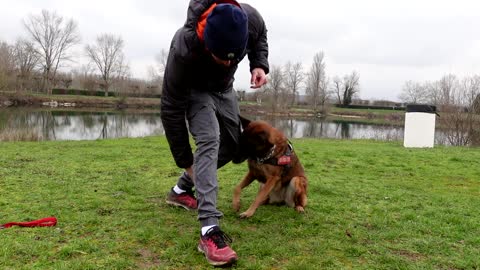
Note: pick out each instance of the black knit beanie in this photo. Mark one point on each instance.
(226, 32)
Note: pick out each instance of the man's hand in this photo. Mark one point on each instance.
(258, 78)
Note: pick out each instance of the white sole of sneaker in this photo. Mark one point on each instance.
(180, 205)
(216, 263)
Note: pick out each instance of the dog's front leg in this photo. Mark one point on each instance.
(262, 196)
(247, 180)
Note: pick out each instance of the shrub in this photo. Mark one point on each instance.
(80, 92)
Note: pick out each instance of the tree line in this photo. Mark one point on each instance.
(37, 60)
(458, 100)
(286, 81)
(449, 92)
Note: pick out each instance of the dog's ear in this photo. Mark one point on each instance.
(263, 137)
(245, 122)
(261, 142)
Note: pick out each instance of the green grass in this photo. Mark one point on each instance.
(372, 205)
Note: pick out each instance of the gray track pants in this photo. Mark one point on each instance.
(215, 126)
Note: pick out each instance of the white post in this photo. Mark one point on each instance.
(419, 126)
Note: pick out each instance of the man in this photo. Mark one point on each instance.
(198, 87)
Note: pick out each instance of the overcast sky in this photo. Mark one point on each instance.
(386, 42)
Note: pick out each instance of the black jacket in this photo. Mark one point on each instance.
(190, 66)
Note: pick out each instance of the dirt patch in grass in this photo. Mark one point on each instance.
(149, 260)
(410, 255)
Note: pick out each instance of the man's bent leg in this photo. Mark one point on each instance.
(228, 114)
(205, 128)
(182, 194)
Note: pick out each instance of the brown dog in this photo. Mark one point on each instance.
(273, 162)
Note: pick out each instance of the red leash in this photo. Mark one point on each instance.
(44, 222)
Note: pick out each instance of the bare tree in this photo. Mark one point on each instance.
(476, 105)
(458, 100)
(161, 60)
(275, 85)
(444, 92)
(107, 55)
(294, 77)
(351, 87)
(53, 38)
(7, 64)
(470, 87)
(26, 60)
(433, 92)
(326, 93)
(83, 77)
(473, 94)
(7, 57)
(123, 76)
(317, 83)
(413, 92)
(156, 71)
(449, 85)
(337, 89)
(65, 80)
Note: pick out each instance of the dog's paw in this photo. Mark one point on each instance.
(299, 209)
(236, 206)
(246, 214)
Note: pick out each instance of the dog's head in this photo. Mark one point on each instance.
(258, 138)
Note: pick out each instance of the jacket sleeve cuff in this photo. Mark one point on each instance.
(258, 65)
(185, 162)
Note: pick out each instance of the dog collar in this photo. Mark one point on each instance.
(284, 160)
(268, 156)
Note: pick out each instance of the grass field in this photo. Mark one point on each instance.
(372, 205)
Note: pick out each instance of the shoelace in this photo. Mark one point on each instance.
(190, 193)
(219, 238)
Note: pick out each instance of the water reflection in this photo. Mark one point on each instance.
(81, 125)
(323, 128)
(68, 125)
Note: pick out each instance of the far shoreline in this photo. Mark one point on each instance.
(91, 103)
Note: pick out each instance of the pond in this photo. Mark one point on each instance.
(93, 125)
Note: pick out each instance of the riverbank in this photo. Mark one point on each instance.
(41, 100)
(380, 117)
(371, 205)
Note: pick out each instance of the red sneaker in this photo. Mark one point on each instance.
(186, 200)
(217, 252)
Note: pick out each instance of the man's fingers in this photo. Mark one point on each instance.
(256, 83)
(253, 78)
(263, 80)
(259, 82)
(258, 78)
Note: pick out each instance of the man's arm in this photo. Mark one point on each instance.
(174, 105)
(257, 44)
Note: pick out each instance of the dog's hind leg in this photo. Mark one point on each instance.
(290, 194)
(298, 186)
(247, 180)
